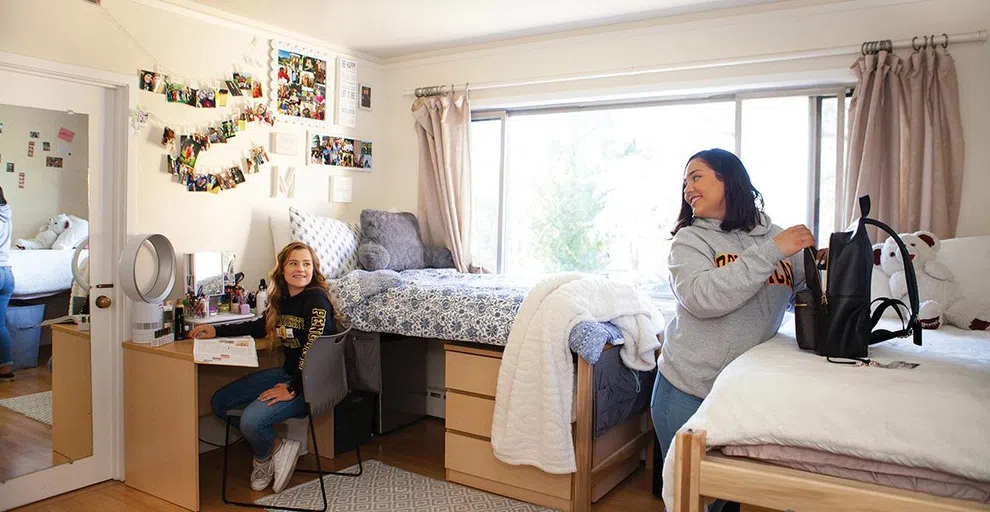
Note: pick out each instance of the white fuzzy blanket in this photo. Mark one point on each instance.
(935, 416)
(531, 424)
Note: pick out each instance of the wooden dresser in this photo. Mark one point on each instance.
(471, 377)
(72, 394)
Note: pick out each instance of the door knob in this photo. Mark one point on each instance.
(103, 302)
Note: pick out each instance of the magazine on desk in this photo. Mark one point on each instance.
(238, 351)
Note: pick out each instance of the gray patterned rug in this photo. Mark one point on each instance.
(38, 406)
(386, 488)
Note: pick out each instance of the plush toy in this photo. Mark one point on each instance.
(59, 232)
(47, 234)
(938, 292)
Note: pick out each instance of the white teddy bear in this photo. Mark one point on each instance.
(937, 288)
(60, 232)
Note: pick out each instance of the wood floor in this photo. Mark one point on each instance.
(417, 448)
(25, 444)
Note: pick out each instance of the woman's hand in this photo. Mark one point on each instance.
(279, 393)
(202, 331)
(794, 239)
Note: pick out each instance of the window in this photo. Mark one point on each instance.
(598, 189)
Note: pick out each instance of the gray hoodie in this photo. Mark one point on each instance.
(732, 291)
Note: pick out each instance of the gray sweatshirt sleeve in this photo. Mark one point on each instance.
(707, 291)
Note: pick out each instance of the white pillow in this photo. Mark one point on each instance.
(335, 242)
(281, 233)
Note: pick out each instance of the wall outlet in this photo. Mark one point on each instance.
(436, 402)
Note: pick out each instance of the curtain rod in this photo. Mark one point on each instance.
(965, 37)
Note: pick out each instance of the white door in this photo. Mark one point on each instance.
(23, 83)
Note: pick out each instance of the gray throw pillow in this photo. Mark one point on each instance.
(391, 240)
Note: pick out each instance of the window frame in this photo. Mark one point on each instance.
(815, 95)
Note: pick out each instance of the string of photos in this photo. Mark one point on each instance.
(190, 145)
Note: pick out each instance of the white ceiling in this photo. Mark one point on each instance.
(394, 28)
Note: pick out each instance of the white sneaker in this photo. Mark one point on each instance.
(285, 463)
(262, 474)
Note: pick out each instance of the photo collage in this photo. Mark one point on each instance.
(302, 85)
(204, 97)
(339, 151)
(183, 165)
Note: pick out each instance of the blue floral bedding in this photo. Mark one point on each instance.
(448, 305)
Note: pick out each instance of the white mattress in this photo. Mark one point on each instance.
(934, 416)
(41, 272)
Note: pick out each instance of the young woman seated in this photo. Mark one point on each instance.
(298, 313)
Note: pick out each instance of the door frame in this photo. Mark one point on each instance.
(120, 153)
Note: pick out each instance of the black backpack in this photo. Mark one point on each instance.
(835, 321)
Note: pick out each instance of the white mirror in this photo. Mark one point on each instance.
(205, 273)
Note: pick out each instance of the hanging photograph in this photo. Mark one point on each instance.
(325, 149)
(364, 102)
(299, 82)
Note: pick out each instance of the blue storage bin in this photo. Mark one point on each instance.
(23, 323)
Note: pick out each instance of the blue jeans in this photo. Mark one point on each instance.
(670, 408)
(6, 290)
(258, 420)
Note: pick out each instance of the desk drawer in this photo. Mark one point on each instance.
(471, 373)
(474, 457)
(470, 414)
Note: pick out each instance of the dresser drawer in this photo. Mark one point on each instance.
(468, 413)
(471, 373)
(474, 456)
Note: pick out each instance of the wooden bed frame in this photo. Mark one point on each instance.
(602, 463)
(700, 477)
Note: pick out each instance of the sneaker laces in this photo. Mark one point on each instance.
(260, 469)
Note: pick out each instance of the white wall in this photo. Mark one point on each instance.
(47, 190)
(755, 31)
(77, 32)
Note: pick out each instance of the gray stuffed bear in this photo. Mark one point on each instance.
(391, 240)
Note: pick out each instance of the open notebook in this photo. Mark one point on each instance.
(239, 351)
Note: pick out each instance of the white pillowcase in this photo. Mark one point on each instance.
(335, 242)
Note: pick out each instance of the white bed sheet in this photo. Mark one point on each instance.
(935, 416)
(41, 272)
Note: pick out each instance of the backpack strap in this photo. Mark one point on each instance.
(883, 334)
(914, 325)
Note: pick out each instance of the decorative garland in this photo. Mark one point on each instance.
(183, 165)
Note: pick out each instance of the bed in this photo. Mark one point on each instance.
(40, 273)
(786, 430)
(473, 315)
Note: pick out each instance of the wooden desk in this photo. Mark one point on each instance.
(72, 394)
(165, 393)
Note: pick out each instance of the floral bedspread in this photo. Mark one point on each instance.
(446, 304)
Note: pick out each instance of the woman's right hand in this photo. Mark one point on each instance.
(794, 239)
(202, 331)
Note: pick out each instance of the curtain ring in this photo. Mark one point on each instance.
(914, 43)
(945, 44)
(926, 43)
(890, 46)
(862, 48)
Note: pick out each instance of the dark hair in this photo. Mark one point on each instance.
(741, 197)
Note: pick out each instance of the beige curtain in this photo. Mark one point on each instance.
(906, 146)
(443, 129)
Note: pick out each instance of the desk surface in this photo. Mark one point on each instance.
(72, 329)
(182, 349)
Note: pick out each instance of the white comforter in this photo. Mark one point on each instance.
(935, 416)
(42, 272)
(532, 420)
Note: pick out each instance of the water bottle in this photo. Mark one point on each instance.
(261, 300)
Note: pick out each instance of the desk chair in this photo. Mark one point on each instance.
(324, 386)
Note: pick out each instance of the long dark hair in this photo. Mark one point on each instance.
(743, 203)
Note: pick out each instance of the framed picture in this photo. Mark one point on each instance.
(364, 98)
(327, 149)
(301, 82)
